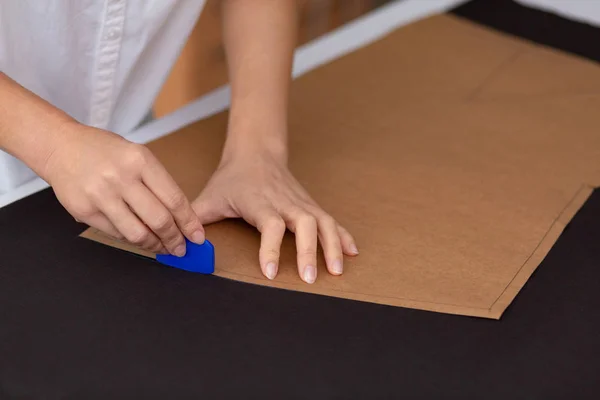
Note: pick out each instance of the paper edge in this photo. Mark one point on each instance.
(365, 298)
(99, 237)
(300, 287)
(495, 311)
(536, 258)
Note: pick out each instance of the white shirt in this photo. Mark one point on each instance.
(101, 61)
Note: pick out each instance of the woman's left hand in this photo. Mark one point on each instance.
(261, 190)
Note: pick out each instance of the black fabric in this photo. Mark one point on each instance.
(535, 25)
(79, 320)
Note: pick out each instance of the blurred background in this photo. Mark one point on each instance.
(201, 66)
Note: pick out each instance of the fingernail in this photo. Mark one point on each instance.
(271, 270)
(337, 267)
(198, 237)
(310, 274)
(180, 250)
(353, 249)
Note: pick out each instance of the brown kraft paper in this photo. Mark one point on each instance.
(454, 154)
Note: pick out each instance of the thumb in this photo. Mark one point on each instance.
(211, 208)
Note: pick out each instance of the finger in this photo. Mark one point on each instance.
(130, 227)
(158, 180)
(304, 225)
(331, 244)
(100, 222)
(156, 216)
(272, 229)
(210, 208)
(347, 241)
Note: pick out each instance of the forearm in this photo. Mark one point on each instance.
(260, 37)
(29, 126)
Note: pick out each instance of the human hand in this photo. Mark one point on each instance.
(261, 190)
(120, 188)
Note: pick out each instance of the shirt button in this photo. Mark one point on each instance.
(113, 34)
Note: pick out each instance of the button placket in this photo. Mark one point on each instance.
(107, 57)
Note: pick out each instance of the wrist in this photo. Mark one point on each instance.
(248, 141)
(59, 137)
(240, 151)
(36, 147)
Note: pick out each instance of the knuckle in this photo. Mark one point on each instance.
(176, 201)
(307, 252)
(162, 222)
(149, 248)
(191, 224)
(173, 241)
(83, 212)
(118, 236)
(110, 176)
(139, 237)
(95, 189)
(155, 247)
(136, 156)
(333, 251)
(274, 224)
(271, 253)
(306, 219)
(328, 221)
(343, 231)
(345, 235)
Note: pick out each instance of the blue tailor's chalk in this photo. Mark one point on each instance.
(198, 258)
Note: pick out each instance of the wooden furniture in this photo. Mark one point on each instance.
(202, 66)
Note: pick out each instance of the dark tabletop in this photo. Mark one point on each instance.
(79, 320)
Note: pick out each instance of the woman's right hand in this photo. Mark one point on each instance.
(120, 188)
